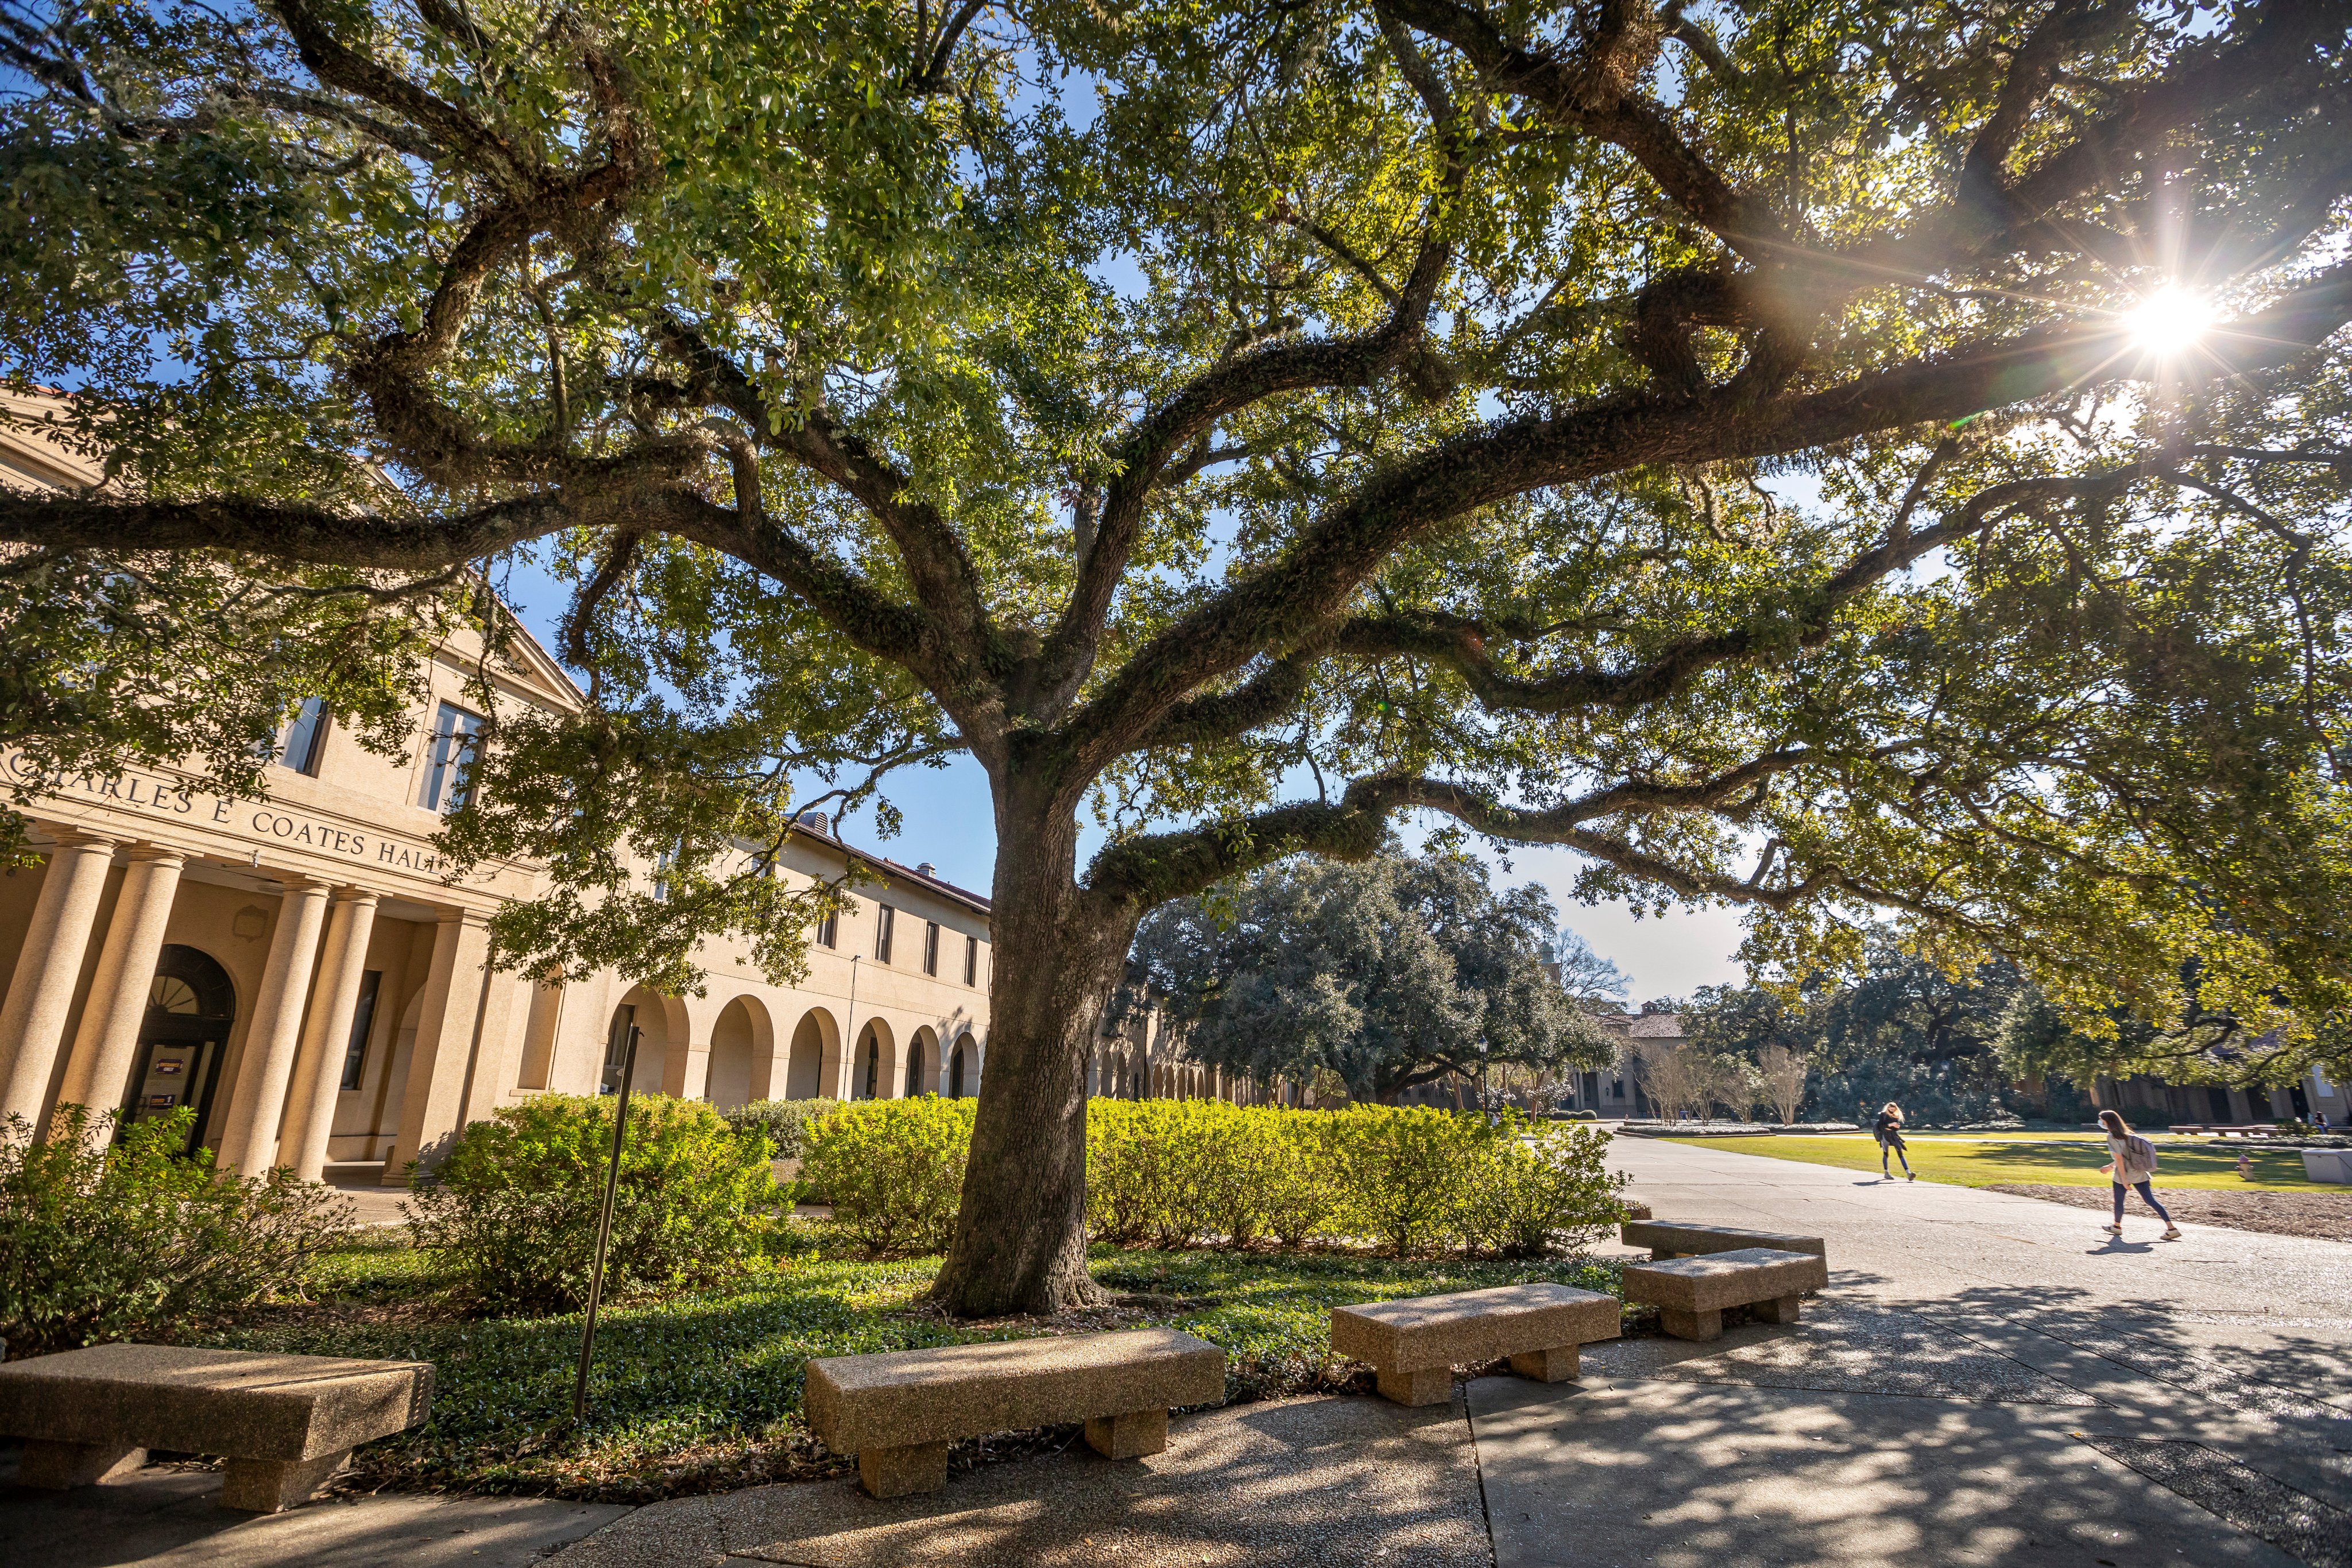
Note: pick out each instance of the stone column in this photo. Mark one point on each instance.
(326, 1040)
(249, 1143)
(98, 1070)
(33, 1019)
(436, 1090)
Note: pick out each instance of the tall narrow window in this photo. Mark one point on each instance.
(828, 930)
(449, 758)
(662, 868)
(972, 960)
(305, 738)
(363, 1018)
(885, 918)
(931, 947)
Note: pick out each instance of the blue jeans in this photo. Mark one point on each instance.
(1894, 1147)
(2146, 1192)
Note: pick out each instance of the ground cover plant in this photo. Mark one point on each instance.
(701, 1389)
(2034, 1157)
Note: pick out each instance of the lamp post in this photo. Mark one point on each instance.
(604, 1229)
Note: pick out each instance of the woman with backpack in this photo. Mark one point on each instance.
(1888, 1127)
(2134, 1165)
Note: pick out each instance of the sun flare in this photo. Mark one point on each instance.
(2169, 320)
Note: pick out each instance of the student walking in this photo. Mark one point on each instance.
(2134, 1166)
(1888, 1127)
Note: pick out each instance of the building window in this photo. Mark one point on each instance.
(449, 758)
(885, 919)
(362, 1017)
(306, 738)
(931, 947)
(972, 960)
(662, 868)
(828, 930)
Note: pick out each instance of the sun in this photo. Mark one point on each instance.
(2169, 321)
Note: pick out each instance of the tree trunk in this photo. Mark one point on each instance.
(1019, 1243)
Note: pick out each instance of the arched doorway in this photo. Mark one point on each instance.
(955, 1071)
(869, 1065)
(190, 1006)
(813, 1040)
(922, 1063)
(727, 1079)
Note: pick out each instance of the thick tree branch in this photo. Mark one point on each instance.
(1312, 583)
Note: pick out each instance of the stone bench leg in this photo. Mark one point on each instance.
(895, 1473)
(1781, 1310)
(269, 1486)
(57, 1466)
(1691, 1325)
(1429, 1385)
(1555, 1365)
(1128, 1436)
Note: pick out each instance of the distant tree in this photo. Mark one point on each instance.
(1675, 1077)
(1783, 1079)
(1583, 973)
(1391, 974)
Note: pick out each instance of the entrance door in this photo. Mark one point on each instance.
(190, 1007)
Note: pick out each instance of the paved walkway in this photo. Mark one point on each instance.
(1988, 1380)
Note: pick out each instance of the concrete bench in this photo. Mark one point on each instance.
(898, 1411)
(284, 1423)
(1690, 1293)
(1667, 1238)
(1415, 1344)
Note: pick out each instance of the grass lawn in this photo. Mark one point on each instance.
(702, 1391)
(2054, 1159)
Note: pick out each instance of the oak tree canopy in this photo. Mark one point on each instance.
(1861, 462)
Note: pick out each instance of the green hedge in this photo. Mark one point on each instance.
(1178, 1174)
(513, 1210)
(785, 1122)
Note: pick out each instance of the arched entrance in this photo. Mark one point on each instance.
(867, 1085)
(813, 1044)
(190, 1006)
(733, 1044)
(955, 1071)
(922, 1063)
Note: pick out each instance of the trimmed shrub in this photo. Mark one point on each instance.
(1178, 1173)
(136, 1241)
(1404, 1174)
(785, 1122)
(1546, 1187)
(512, 1212)
(893, 1170)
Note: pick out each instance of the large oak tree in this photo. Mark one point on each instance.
(1766, 448)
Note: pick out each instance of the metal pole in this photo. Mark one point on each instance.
(604, 1229)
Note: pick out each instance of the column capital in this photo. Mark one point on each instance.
(158, 854)
(461, 915)
(63, 836)
(292, 882)
(351, 892)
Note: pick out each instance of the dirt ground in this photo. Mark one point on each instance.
(2324, 1215)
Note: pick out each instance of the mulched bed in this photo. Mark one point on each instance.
(2325, 1216)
